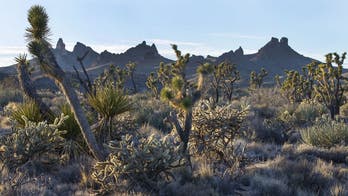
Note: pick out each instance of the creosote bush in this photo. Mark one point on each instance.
(326, 133)
(141, 160)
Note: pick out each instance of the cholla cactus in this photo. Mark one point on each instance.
(329, 87)
(32, 142)
(256, 79)
(142, 160)
(215, 129)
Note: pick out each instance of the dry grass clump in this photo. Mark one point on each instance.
(150, 111)
(294, 176)
(8, 95)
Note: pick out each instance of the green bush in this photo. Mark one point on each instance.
(139, 160)
(31, 142)
(326, 133)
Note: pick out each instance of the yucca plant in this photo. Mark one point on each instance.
(109, 101)
(70, 124)
(28, 109)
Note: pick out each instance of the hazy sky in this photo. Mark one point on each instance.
(314, 27)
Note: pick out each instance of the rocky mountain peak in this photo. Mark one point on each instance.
(284, 41)
(143, 50)
(239, 51)
(60, 44)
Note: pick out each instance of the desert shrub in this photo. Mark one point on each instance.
(31, 142)
(344, 110)
(269, 130)
(326, 133)
(215, 129)
(151, 111)
(29, 109)
(137, 161)
(9, 95)
(307, 112)
(264, 111)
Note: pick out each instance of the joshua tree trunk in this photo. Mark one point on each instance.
(30, 91)
(133, 82)
(50, 66)
(216, 95)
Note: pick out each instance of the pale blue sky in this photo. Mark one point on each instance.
(314, 27)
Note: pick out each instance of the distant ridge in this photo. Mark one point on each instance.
(275, 56)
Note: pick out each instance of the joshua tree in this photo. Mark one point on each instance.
(329, 82)
(224, 76)
(277, 81)
(152, 84)
(131, 69)
(230, 77)
(256, 79)
(296, 86)
(28, 87)
(37, 35)
(182, 95)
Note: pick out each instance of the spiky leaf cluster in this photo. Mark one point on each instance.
(109, 101)
(139, 160)
(257, 79)
(29, 109)
(215, 129)
(32, 141)
(177, 90)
